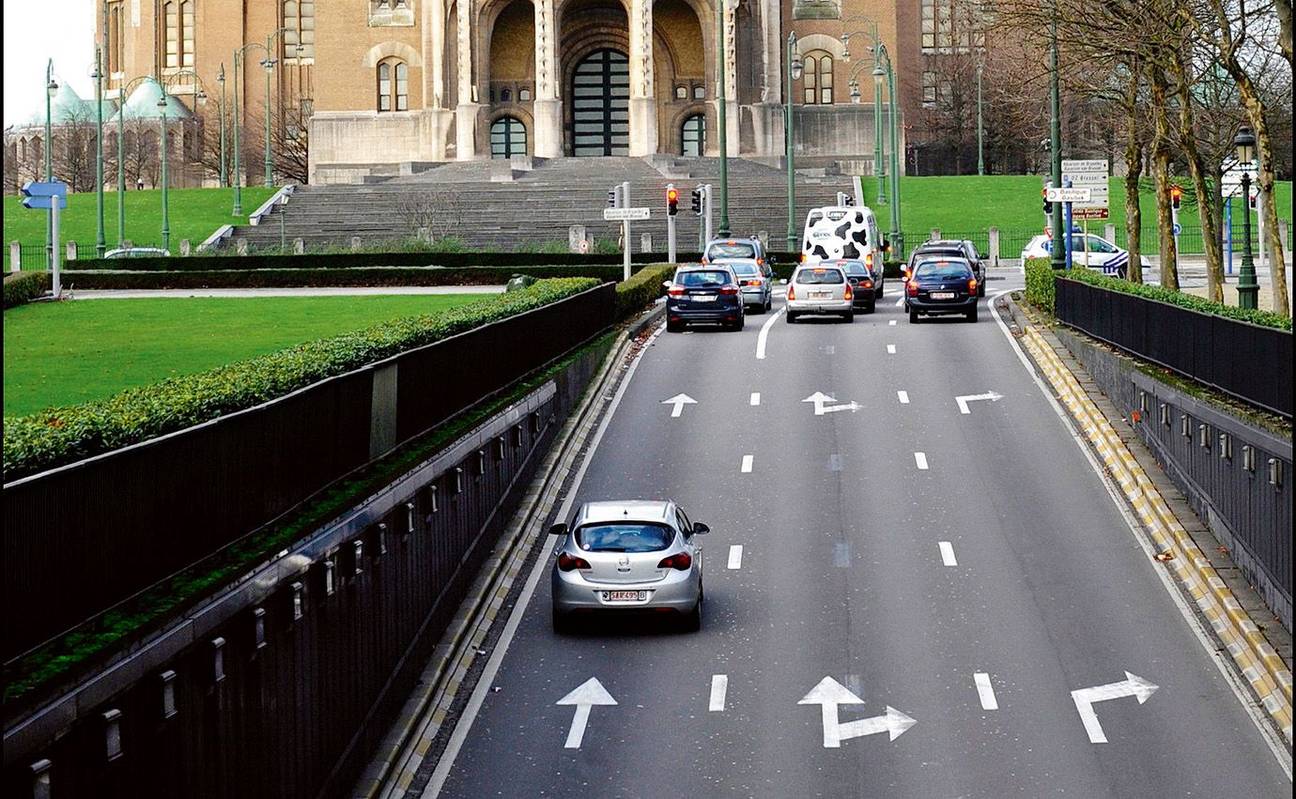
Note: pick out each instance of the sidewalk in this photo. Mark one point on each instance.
(354, 291)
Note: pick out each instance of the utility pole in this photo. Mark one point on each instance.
(1058, 254)
(100, 246)
(980, 126)
(721, 8)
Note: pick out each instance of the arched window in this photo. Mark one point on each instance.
(508, 137)
(393, 85)
(693, 135)
(818, 78)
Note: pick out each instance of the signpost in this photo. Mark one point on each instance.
(1068, 195)
(52, 196)
(620, 211)
(1088, 174)
(625, 214)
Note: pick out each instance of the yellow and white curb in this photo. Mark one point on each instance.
(1259, 663)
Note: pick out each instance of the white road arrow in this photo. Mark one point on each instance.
(679, 401)
(829, 693)
(590, 693)
(964, 400)
(821, 405)
(1132, 685)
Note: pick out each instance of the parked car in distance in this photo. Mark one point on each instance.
(138, 252)
(622, 556)
(820, 288)
(863, 284)
(728, 249)
(704, 294)
(756, 281)
(956, 248)
(1103, 255)
(941, 286)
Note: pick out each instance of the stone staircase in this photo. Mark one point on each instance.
(528, 203)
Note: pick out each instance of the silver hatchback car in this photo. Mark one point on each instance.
(820, 288)
(629, 556)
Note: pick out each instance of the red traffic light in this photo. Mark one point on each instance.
(1176, 196)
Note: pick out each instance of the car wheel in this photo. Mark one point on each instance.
(741, 323)
(769, 303)
(693, 619)
(871, 307)
(972, 315)
(849, 316)
(674, 327)
(877, 293)
(981, 288)
(913, 317)
(561, 624)
(791, 317)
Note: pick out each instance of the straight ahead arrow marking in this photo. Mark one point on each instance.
(829, 693)
(589, 693)
(679, 401)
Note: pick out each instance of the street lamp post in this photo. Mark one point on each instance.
(238, 172)
(1058, 250)
(879, 129)
(51, 88)
(980, 126)
(220, 78)
(166, 223)
(1248, 288)
(269, 64)
(721, 113)
(793, 74)
(100, 246)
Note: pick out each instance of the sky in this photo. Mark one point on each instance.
(35, 32)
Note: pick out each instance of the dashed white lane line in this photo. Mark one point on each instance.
(746, 464)
(903, 396)
(899, 302)
(719, 687)
(890, 349)
(755, 398)
(735, 556)
(891, 323)
(920, 459)
(764, 334)
(947, 554)
(984, 690)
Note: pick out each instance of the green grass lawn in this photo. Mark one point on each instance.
(71, 352)
(194, 214)
(971, 203)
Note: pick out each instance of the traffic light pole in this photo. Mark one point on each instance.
(670, 223)
(1058, 260)
(625, 232)
(707, 205)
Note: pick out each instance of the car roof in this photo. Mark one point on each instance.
(639, 510)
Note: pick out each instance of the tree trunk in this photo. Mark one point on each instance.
(1198, 168)
(1161, 171)
(1133, 171)
(1265, 177)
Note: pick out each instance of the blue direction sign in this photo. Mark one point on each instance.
(1178, 228)
(43, 195)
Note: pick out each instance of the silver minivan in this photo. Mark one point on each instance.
(820, 288)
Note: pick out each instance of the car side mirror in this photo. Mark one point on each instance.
(700, 529)
(558, 529)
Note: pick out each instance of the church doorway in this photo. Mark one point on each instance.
(600, 103)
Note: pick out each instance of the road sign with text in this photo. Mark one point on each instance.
(1088, 174)
(624, 214)
(1067, 195)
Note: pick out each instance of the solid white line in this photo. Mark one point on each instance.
(920, 459)
(735, 556)
(947, 554)
(899, 302)
(1277, 746)
(890, 349)
(903, 396)
(892, 323)
(719, 687)
(755, 398)
(746, 464)
(542, 563)
(764, 334)
(986, 691)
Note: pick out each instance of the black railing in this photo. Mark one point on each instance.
(1250, 362)
(82, 538)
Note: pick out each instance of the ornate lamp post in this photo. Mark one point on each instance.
(1058, 250)
(980, 125)
(220, 78)
(883, 69)
(1248, 289)
(51, 89)
(879, 131)
(721, 8)
(269, 64)
(793, 73)
(166, 224)
(100, 246)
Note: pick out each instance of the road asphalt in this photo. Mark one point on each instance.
(1002, 575)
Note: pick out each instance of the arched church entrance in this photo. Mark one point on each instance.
(600, 103)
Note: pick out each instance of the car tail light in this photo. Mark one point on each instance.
(868, 284)
(972, 285)
(791, 295)
(680, 560)
(760, 261)
(868, 261)
(912, 288)
(729, 291)
(803, 257)
(675, 291)
(568, 562)
(751, 282)
(850, 293)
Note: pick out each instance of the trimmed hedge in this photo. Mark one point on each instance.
(642, 288)
(1183, 300)
(309, 278)
(23, 287)
(1039, 283)
(59, 436)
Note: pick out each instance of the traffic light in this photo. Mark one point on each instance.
(697, 201)
(672, 201)
(612, 198)
(1176, 197)
(1048, 206)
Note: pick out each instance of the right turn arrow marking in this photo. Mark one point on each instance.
(829, 693)
(1132, 685)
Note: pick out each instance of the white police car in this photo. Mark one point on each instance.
(1102, 254)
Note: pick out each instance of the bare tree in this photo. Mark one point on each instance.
(439, 210)
(74, 150)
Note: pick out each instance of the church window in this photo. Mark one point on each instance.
(393, 85)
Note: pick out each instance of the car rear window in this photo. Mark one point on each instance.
(855, 268)
(943, 270)
(745, 269)
(695, 279)
(624, 537)
(732, 249)
(820, 275)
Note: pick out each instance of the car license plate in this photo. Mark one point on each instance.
(942, 295)
(703, 298)
(624, 596)
(820, 295)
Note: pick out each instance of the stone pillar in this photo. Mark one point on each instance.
(994, 246)
(299, 246)
(15, 256)
(547, 108)
(575, 237)
(241, 247)
(643, 99)
(645, 242)
(185, 248)
(355, 244)
(71, 251)
(935, 234)
(466, 110)
(1109, 232)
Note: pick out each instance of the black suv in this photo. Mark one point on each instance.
(951, 248)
